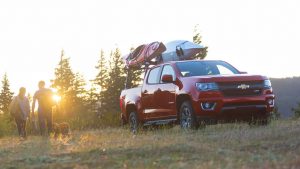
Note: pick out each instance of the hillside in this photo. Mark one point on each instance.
(287, 91)
(217, 146)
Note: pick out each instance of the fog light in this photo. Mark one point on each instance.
(270, 102)
(208, 105)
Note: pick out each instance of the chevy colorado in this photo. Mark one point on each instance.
(196, 92)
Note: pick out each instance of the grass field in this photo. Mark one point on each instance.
(218, 146)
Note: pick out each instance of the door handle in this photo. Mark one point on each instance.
(145, 91)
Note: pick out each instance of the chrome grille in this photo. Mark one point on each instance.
(239, 89)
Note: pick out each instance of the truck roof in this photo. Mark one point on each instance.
(180, 61)
(192, 61)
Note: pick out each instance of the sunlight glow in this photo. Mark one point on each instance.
(54, 90)
(56, 98)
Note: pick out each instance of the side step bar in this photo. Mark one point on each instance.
(159, 122)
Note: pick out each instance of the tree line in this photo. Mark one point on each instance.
(81, 107)
(99, 105)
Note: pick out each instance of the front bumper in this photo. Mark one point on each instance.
(234, 108)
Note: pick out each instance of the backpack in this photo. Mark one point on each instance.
(14, 108)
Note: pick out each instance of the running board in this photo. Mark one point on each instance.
(159, 122)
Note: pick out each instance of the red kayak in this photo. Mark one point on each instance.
(144, 53)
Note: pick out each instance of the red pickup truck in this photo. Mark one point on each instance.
(197, 92)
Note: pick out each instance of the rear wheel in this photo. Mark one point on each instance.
(187, 116)
(133, 122)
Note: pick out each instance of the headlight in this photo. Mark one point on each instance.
(267, 84)
(207, 86)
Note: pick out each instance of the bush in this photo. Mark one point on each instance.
(88, 119)
(7, 125)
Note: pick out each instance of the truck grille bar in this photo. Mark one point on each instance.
(240, 89)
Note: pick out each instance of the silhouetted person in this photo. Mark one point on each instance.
(20, 109)
(44, 96)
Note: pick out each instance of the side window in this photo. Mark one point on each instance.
(167, 70)
(224, 70)
(153, 76)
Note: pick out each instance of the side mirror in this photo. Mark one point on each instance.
(243, 73)
(167, 78)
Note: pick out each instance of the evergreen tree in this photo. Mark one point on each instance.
(133, 77)
(78, 92)
(6, 95)
(101, 79)
(92, 98)
(116, 83)
(63, 82)
(197, 39)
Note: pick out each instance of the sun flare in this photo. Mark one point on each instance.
(56, 98)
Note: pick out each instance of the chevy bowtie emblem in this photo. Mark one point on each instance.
(243, 86)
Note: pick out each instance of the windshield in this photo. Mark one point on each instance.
(203, 68)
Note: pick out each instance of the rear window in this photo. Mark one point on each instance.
(204, 68)
(153, 76)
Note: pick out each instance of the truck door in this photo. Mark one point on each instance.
(150, 86)
(166, 94)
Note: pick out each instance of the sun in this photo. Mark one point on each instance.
(56, 98)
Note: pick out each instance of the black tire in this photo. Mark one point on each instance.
(188, 119)
(133, 122)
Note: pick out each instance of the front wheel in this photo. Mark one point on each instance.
(187, 116)
(133, 122)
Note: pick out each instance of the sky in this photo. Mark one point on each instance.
(256, 36)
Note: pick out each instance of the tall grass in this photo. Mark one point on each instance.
(79, 121)
(236, 145)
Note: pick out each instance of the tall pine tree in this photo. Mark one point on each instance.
(7, 126)
(5, 95)
(197, 39)
(63, 82)
(79, 92)
(101, 79)
(116, 83)
(92, 99)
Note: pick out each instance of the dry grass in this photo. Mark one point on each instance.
(217, 146)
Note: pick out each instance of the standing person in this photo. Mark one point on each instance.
(44, 96)
(20, 110)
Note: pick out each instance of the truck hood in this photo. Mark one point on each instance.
(227, 78)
